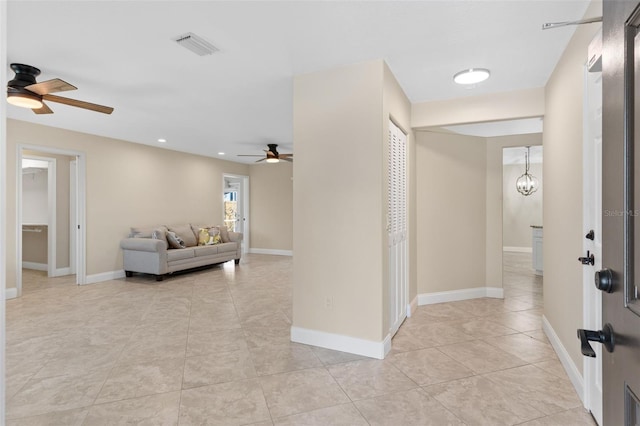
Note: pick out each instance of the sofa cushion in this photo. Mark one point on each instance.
(174, 241)
(205, 251)
(185, 232)
(146, 232)
(180, 254)
(227, 247)
(224, 233)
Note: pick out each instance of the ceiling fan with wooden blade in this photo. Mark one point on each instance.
(271, 155)
(26, 92)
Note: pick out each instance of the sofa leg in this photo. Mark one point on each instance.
(159, 277)
(237, 261)
(128, 274)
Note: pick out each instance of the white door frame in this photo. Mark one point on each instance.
(3, 204)
(592, 298)
(244, 189)
(73, 214)
(81, 210)
(51, 212)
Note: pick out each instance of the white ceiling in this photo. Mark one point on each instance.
(493, 129)
(121, 54)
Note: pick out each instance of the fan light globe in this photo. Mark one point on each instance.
(471, 76)
(24, 100)
(272, 160)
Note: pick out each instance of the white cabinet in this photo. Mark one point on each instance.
(537, 249)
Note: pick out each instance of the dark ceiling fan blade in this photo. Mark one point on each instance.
(289, 159)
(260, 160)
(50, 86)
(80, 104)
(285, 156)
(43, 110)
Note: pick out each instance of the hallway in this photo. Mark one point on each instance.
(504, 371)
(212, 347)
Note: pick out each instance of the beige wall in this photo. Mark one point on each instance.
(495, 146)
(271, 206)
(35, 207)
(563, 230)
(338, 126)
(341, 125)
(127, 185)
(451, 205)
(472, 170)
(520, 212)
(34, 245)
(475, 109)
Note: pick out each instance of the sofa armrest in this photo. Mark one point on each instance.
(144, 244)
(235, 237)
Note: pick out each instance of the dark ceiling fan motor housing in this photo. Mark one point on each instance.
(272, 155)
(25, 76)
(273, 149)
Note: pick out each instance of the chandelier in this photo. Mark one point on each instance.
(527, 184)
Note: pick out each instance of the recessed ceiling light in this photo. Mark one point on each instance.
(162, 140)
(221, 153)
(471, 76)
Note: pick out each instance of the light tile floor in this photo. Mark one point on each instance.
(212, 347)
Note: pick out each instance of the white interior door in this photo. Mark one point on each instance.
(592, 206)
(397, 226)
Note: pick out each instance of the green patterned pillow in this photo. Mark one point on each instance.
(203, 236)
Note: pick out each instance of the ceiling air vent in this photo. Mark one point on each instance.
(196, 44)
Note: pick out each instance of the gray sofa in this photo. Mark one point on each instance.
(148, 250)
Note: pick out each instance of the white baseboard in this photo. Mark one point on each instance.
(104, 276)
(271, 251)
(386, 345)
(456, 295)
(11, 293)
(339, 342)
(61, 272)
(564, 357)
(518, 249)
(412, 307)
(35, 266)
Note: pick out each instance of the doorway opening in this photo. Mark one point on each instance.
(50, 243)
(235, 204)
(522, 231)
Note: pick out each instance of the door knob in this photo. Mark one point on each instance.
(604, 336)
(588, 260)
(604, 280)
(591, 235)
